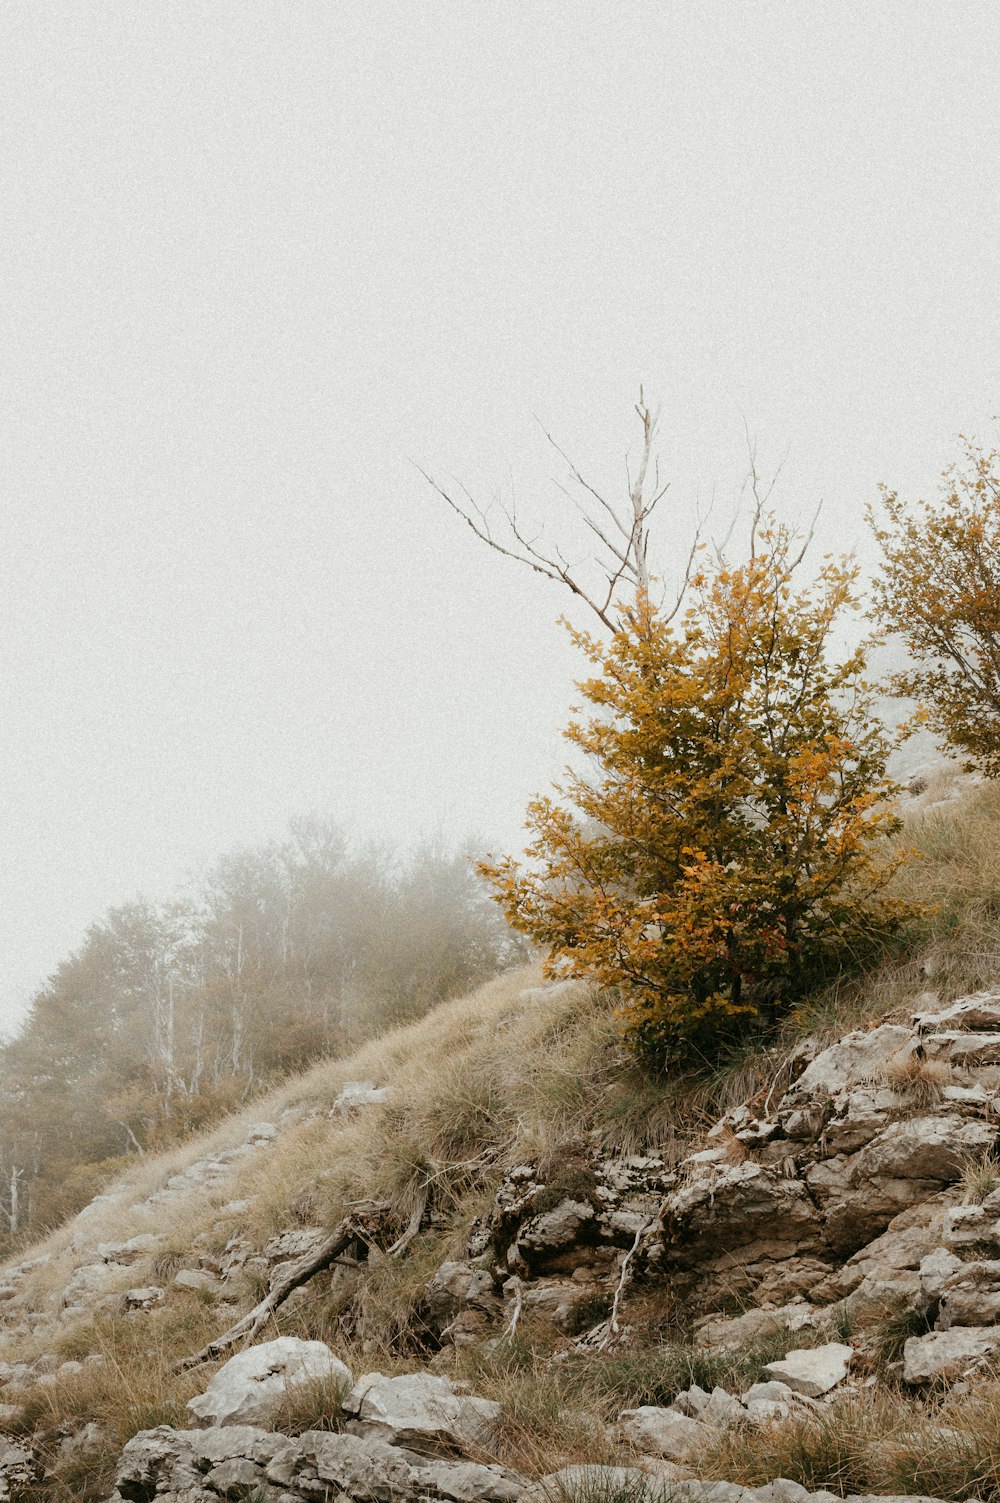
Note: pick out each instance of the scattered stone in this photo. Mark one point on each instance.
(422, 1411)
(813, 1370)
(148, 1297)
(356, 1094)
(662, 1432)
(195, 1280)
(946, 1355)
(247, 1389)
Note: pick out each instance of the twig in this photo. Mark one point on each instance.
(508, 1331)
(623, 1279)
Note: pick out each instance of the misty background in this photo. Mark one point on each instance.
(259, 258)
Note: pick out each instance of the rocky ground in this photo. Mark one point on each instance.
(861, 1179)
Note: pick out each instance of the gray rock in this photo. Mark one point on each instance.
(977, 1013)
(813, 1370)
(195, 1279)
(128, 1252)
(946, 1355)
(854, 1059)
(260, 1133)
(935, 1271)
(147, 1297)
(970, 1295)
(19, 1468)
(422, 1411)
(247, 1389)
(662, 1432)
(358, 1093)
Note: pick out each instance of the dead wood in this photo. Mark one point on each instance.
(364, 1226)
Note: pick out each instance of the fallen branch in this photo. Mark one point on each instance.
(362, 1225)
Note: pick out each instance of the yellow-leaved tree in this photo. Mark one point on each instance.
(940, 591)
(728, 845)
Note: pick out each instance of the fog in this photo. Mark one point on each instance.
(261, 260)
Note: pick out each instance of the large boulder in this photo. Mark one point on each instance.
(741, 1220)
(248, 1388)
(422, 1411)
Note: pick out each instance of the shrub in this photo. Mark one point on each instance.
(728, 852)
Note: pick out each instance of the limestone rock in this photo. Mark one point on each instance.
(19, 1468)
(422, 1411)
(195, 1280)
(662, 1432)
(948, 1354)
(855, 1058)
(725, 1332)
(128, 1252)
(146, 1298)
(744, 1215)
(935, 1271)
(970, 1295)
(355, 1094)
(202, 1466)
(247, 1388)
(814, 1370)
(977, 1013)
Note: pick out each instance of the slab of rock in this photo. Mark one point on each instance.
(260, 1133)
(742, 1214)
(422, 1411)
(146, 1298)
(926, 1148)
(946, 1355)
(662, 1432)
(355, 1094)
(248, 1388)
(195, 1280)
(128, 1252)
(202, 1466)
(970, 1295)
(854, 1059)
(889, 1265)
(972, 1051)
(814, 1370)
(977, 1013)
(724, 1332)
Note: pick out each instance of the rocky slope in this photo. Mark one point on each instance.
(860, 1179)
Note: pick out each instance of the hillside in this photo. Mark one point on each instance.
(532, 1256)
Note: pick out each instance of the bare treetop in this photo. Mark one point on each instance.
(621, 529)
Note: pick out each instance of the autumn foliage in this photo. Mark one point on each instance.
(729, 842)
(940, 591)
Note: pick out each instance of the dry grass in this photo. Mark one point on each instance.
(921, 1082)
(874, 1442)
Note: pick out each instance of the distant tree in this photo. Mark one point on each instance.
(940, 591)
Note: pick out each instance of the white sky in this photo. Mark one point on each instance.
(257, 256)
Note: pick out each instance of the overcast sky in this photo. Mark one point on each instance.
(260, 256)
